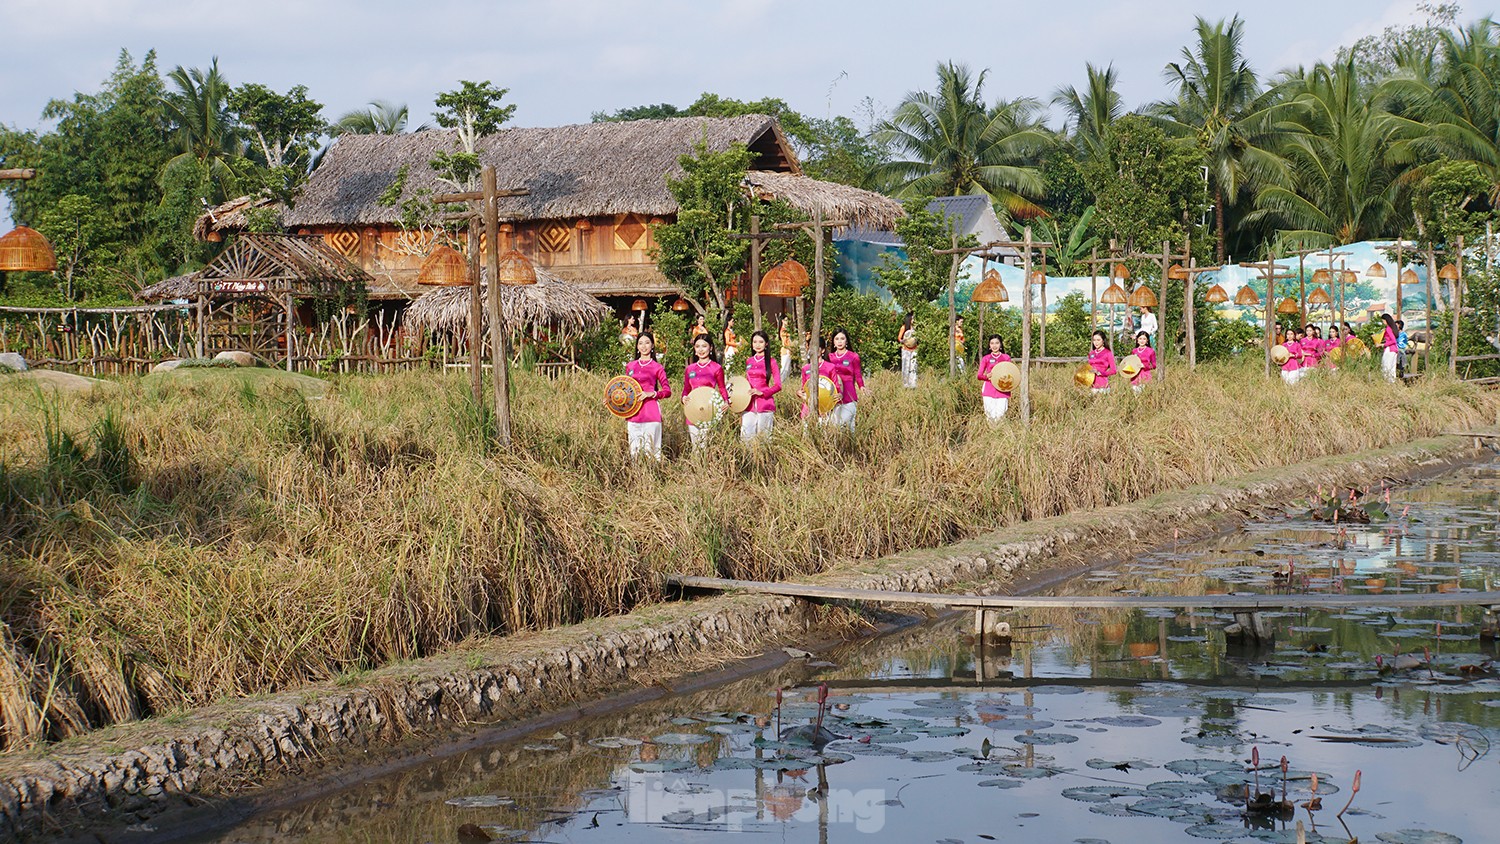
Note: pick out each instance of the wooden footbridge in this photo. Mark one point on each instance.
(1246, 608)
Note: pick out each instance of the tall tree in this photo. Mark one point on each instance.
(1219, 103)
(285, 126)
(473, 110)
(954, 144)
(381, 118)
(1453, 104)
(204, 132)
(696, 250)
(1334, 137)
(1092, 111)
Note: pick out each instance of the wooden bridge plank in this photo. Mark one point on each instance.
(1012, 602)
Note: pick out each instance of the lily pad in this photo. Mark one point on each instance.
(682, 739)
(1418, 836)
(1047, 738)
(1100, 793)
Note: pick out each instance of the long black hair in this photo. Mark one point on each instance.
(636, 352)
(766, 351)
(1102, 336)
(994, 337)
(713, 351)
(1147, 335)
(848, 341)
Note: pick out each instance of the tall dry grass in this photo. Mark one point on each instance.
(166, 546)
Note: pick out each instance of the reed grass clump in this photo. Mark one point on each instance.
(167, 545)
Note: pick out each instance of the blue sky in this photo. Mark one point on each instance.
(564, 60)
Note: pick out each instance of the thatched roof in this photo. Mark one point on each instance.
(593, 169)
(183, 286)
(230, 216)
(551, 306)
(860, 208)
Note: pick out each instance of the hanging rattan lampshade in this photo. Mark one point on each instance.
(1039, 278)
(444, 267)
(681, 304)
(26, 250)
(1448, 273)
(1376, 270)
(1119, 271)
(1142, 297)
(638, 305)
(1216, 295)
(515, 269)
(991, 289)
(784, 281)
(1349, 277)
(1319, 296)
(1177, 273)
(1409, 276)
(1288, 306)
(1114, 294)
(1246, 296)
(1322, 276)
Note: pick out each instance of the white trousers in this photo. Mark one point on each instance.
(1097, 390)
(1291, 377)
(1388, 365)
(753, 425)
(995, 407)
(644, 437)
(842, 416)
(786, 361)
(909, 368)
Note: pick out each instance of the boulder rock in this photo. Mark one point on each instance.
(237, 358)
(11, 360)
(166, 366)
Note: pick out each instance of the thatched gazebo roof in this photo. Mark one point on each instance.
(183, 286)
(229, 217)
(587, 170)
(266, 265)
(860, 208)
(552, 306)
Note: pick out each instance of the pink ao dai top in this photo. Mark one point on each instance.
(1103, 362)
(764, 374)
(987, 365)
(652, 376)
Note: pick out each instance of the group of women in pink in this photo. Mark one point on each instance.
(1102, 360)
(841, 365)
(643, 430)
(1308, 350)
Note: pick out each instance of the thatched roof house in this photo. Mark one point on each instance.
(594, 192)
(550, 308)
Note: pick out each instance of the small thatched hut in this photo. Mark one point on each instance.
(550, 309)
(594, 192)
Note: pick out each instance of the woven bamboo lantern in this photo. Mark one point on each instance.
(26, 250)
(1409, 276)
(1322, 276)
(444, 267)
(1216, 295)
(681, 305)
(1177, 273)
(1448, 273)
(1114, 294)
(1039, 278)
(784, 281)
(638, 305)
(1246, 296)
(1349, 277)
(1319, 296)
(1119, 271)
(1142, 297)
(1288, 306)
(515, 269)
(991, 289)
(1376, 270)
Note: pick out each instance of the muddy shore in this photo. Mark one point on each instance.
(237, 757)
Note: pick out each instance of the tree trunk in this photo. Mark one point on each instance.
(1219, 224)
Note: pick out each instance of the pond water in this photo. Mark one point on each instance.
(1090, 727)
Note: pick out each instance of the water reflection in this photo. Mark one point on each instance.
(1102, 726)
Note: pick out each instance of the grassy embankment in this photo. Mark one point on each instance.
(170, 542)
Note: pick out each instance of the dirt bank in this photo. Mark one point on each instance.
(131, 773)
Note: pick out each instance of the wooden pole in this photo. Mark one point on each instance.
(1270, 308)
(1093, 289)
(1161, 308)
(957, 258)
(1302, 284)
(814, 342)
(1026, 328)
(1456, 298)
(755, 247)
(1399, 244)
(1042, 346)
(497, 315)
(476, 320)
(291, 336)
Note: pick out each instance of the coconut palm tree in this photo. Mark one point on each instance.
(1220, 104)
(1334, 139)
(1093, 111)
(1450, 106)
(204, 131)
(381, 118)
(954, 144)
